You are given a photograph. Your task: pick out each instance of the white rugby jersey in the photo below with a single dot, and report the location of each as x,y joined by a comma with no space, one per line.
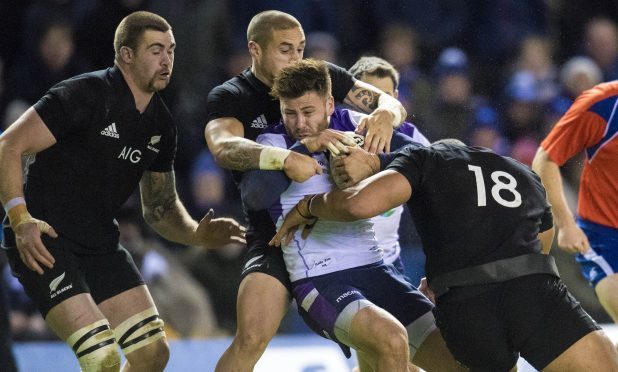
332,245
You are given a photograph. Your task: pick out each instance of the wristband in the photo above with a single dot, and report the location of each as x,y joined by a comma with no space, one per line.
397,119
14,202
273,158
309,202
18,214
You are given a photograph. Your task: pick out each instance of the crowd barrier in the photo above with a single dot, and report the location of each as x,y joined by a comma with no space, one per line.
298,353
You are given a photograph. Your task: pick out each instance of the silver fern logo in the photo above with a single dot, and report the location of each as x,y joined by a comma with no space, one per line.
56,282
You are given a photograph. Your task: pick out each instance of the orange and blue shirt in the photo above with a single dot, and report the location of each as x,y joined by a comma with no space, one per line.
591,125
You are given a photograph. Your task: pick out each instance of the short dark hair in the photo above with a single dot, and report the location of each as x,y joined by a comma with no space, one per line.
301,77
449,141
375,66
263,24
133,26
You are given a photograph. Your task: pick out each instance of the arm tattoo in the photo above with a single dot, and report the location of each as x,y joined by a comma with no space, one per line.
240,157
159,196
364,99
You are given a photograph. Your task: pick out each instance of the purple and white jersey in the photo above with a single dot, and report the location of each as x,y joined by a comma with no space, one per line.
332,245
386,225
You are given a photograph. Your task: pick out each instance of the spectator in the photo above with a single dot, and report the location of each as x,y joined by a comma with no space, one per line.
601,44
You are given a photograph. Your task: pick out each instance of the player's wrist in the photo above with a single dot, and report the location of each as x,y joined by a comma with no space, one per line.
273,158
18,215
304,207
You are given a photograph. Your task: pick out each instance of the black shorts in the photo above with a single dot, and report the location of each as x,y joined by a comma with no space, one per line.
268,260
102,274
533,315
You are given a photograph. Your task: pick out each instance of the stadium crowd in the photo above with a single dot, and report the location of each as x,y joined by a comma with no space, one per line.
497,74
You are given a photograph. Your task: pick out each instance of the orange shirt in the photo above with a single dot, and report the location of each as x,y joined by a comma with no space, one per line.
591,124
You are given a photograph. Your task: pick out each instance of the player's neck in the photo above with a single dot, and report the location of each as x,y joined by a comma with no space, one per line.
142,98
261,76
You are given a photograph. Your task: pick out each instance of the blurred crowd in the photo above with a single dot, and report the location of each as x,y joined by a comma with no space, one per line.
493,73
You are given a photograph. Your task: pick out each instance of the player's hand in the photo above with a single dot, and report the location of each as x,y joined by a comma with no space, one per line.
379,128
299,167
358,164
572,239
335,141
424,288
31,249
292,221
213,233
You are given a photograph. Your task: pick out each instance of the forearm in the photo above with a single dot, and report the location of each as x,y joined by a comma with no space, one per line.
366,98
172,221
552,180
390,104
11,172
547,238
238,153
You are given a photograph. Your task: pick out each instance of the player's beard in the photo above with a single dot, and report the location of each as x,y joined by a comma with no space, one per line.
156,84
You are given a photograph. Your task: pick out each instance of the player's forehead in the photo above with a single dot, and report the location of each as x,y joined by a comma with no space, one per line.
150,38
308,100
291,36
385,84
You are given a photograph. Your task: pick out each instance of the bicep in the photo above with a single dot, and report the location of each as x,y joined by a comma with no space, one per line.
363,97
380,193
218,130
29,134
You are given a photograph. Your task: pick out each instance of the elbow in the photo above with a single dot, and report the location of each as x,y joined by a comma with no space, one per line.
540,161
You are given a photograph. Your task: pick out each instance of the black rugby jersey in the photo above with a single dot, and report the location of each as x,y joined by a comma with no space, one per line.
103,147
247,99
472,206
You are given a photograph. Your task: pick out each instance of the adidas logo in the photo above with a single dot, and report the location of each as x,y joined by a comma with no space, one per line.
110,131
259,122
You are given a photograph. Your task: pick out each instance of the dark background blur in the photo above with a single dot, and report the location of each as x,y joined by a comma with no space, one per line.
496,73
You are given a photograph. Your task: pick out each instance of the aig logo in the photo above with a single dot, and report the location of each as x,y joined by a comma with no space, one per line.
133,155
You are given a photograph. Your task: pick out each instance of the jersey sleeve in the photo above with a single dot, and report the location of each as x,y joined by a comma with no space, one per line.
578,129
342,82
411,130
255,182
409,163
222,103
165,159
67,107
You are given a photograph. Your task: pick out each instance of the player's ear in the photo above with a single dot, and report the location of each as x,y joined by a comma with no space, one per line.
254,49
126,54
330,105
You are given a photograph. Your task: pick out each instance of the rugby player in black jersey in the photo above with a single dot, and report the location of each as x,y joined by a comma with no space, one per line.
238,111
88,143
486,230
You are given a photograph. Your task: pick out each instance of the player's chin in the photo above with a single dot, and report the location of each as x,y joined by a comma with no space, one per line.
159,83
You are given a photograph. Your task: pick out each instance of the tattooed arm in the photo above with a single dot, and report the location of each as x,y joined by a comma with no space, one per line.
165,213
230,150
385,113
224,137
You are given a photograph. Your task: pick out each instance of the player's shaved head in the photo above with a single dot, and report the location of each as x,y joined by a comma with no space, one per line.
263,24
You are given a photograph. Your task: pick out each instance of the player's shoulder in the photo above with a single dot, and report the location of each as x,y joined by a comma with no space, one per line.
237,86
89,82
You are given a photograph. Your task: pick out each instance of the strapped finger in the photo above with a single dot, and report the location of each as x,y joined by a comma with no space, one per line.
333,149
